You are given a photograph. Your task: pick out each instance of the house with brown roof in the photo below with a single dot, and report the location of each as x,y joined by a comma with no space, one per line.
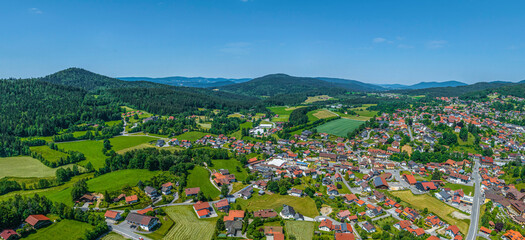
192,191
132,199
145,222
265,213
452,231
202,209
9,234
112,215
344,236
222,205
38,221
234,215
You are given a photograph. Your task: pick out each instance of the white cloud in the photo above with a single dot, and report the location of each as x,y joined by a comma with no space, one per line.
35,11
236,48
437,43
379,40
404,46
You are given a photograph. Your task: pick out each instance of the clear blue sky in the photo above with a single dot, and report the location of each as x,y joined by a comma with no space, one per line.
371,41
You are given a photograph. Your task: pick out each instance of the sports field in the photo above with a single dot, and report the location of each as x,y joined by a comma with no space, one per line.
65,229
442,210
187,225
24,167
303,205
300,229
231,165
340,127
200,177
48,153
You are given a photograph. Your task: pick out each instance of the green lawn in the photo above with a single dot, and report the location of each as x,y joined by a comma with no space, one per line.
469,190
48,153
303,205
65,229
340,127
300,229
187,225
231,165
123,142
111,182
200,177
113,123
192,136
24,167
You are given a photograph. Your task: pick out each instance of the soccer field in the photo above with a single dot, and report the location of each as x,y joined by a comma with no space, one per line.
340,127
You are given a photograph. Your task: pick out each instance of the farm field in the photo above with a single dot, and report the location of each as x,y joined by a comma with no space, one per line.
113,123
48,153
124,142
319,98
24,167
147,145
191,136
340,127
442,210
65,229
231,165
200,177
187,225
111,181
305,206
320,114
300,229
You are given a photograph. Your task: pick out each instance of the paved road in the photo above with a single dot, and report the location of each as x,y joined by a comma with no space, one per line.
125,230
474,217
410,132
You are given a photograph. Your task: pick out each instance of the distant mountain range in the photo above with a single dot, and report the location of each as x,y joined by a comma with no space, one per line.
200,82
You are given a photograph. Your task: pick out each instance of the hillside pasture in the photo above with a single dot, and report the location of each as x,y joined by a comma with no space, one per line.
187,225
48,153
231,165
65,229
91,149
319,98
24,167
304,205
200,177
340,127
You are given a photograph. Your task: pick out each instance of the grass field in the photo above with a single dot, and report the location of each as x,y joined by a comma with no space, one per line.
111,182
113,236
147,145
303,205
320,114
319,98
340,127
283,112
113,123
469,190
48,153
200,177
124,142
300,229
187,225
91,149
231,165
65,229
161,232
442,210
24,167
192,136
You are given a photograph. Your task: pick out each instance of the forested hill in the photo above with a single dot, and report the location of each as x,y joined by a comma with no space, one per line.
513,89
200,82
353,84
275,84
454,91
78,77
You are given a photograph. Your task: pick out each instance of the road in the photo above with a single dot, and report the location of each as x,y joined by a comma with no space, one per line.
410,132
474,217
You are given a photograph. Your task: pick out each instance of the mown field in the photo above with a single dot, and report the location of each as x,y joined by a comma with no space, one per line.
303,205
187,225
191,136
319,114
111,182
65,229
48,153
442,210
300,229
113,236
319,98
283,112
160,233
24,167
93,149
200,177
231,165
340,127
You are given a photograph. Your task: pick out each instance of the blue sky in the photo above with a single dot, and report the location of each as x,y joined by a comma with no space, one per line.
371,41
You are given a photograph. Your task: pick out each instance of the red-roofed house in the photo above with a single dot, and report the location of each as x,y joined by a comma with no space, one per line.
452,231
203,209
9,234
38,221
112,215
132,199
